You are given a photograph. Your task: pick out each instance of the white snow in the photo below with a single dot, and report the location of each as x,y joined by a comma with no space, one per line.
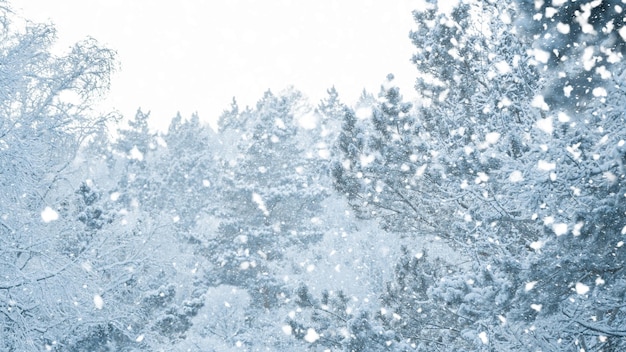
492,137
206,183
504,102
609,176
559,229
286,329
367,159
505,18
98,302
481,177
545,125
563,28
311,336
140,338
536,245
308,121
548,220
563,117
363,113
577,228
583,17
483,337
279,123
503,67
48,215
588,59
86,265
603,72
260,203
516,176
540,103
545,166
574,150
581,288
622,33
541,55
599,92
324,153
530,285
536,307
567,90
551,11
135,154
114,196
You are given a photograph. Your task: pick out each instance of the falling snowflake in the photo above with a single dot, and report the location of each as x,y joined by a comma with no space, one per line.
483,337
311,335
48,215
530,285
98,301
516,176
559,229
581,288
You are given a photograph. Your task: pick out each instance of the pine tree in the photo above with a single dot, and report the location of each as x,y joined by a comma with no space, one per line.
270,193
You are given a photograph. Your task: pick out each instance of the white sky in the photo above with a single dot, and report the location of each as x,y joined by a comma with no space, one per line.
195,55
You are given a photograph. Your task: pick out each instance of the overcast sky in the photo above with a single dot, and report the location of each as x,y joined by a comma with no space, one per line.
195,55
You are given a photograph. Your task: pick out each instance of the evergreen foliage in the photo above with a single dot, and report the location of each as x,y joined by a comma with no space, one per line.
486,215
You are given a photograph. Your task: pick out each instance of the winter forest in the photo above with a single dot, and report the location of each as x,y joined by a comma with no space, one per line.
487,215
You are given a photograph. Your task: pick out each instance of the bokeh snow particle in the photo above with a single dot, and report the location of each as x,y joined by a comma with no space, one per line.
545,125
311,335
545,165
536,245
516,176
48,215
530,285
287,329
98,301
483,337
559,229
581,288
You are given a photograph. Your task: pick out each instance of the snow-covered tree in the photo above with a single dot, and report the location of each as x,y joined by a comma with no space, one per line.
530,194
188,172
582,42
45,106
270,193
